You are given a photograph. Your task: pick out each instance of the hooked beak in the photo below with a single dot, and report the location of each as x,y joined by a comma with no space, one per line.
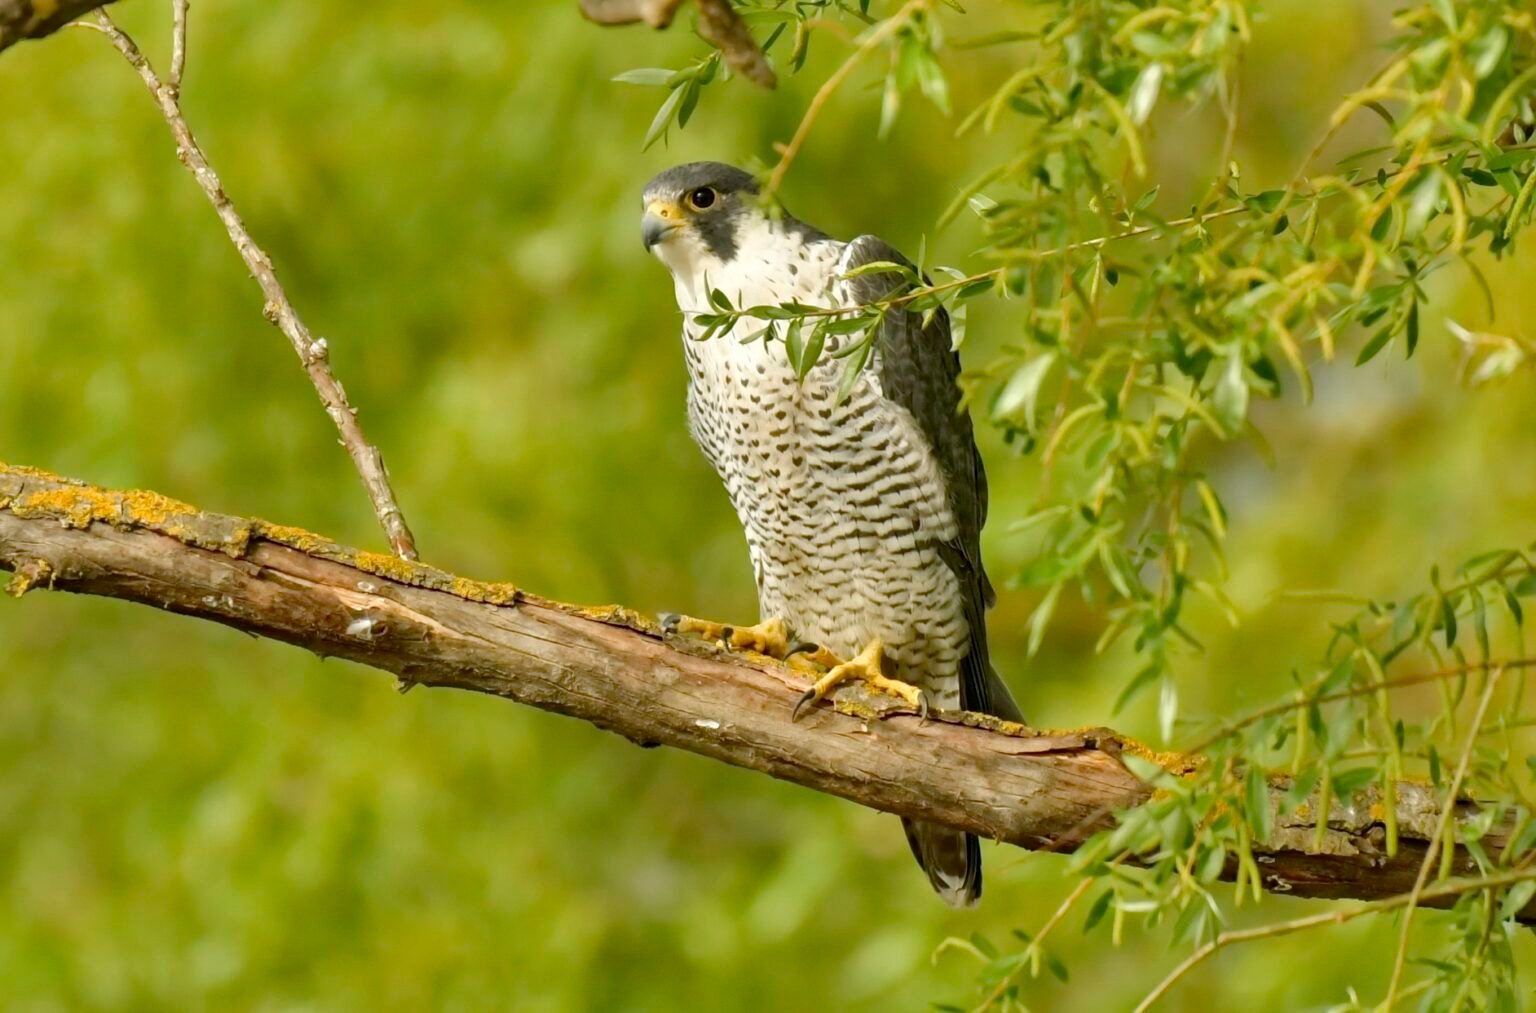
659,220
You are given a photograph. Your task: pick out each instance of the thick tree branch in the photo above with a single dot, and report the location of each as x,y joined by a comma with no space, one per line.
614,669
33,19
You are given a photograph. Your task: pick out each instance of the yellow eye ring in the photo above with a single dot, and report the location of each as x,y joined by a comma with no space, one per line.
701,198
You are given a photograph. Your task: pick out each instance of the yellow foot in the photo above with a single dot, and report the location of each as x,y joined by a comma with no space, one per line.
868,667
770,637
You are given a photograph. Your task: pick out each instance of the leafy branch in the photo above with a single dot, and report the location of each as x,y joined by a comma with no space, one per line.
1452,888
1147,332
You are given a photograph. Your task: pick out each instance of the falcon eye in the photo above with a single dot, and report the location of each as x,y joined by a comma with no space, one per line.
701,198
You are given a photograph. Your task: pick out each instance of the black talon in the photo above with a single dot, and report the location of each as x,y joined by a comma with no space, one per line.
804,647
726,633
669,621
808,697
922,704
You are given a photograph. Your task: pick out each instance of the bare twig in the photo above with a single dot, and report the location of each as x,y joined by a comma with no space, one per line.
313,352
614,669
719,24
872,41
178,43
1444,891
33,19
1442,832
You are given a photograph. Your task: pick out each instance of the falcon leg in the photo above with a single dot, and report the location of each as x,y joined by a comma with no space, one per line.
770,637
868,667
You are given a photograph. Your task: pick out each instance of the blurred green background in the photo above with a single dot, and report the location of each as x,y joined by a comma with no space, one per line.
190,818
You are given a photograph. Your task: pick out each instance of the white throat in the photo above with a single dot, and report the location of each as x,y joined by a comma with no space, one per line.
771,265
691,264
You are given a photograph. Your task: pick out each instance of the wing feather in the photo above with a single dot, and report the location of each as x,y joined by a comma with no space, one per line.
919,370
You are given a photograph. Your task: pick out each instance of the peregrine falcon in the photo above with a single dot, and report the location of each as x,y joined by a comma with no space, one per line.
862,507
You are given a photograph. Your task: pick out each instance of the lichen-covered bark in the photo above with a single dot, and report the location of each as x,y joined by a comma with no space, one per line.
32,19
614,669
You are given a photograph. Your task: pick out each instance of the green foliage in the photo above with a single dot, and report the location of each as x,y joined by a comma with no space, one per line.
193,819
1148,332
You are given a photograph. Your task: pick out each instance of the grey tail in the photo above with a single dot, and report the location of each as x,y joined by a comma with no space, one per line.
951,858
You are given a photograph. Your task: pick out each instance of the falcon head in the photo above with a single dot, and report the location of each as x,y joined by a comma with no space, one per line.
695,215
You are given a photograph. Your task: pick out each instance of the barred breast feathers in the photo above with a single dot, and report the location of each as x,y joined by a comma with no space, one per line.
843,505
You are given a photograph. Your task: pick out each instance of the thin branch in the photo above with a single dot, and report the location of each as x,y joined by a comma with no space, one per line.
1444,891
1231,106
1035,945
999,275
872,41
1442,832
719,25
614,669
313,353
178,44
1364,689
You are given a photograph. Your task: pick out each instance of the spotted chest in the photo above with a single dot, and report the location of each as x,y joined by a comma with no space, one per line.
843,505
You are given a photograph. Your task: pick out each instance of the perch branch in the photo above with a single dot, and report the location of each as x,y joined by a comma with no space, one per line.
719,24
614,669
313,353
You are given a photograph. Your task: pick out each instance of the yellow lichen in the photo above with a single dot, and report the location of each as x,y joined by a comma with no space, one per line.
29,576
862,711
1178,764
30,493
490,592
613,615
392,567
296,538
991,723
26,471
80,505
